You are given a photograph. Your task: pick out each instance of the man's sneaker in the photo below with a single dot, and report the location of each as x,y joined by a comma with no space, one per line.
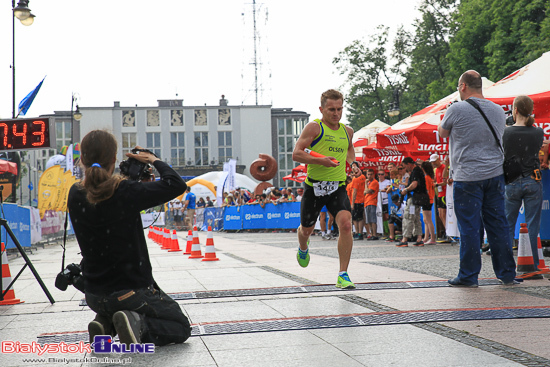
374,238
101,325
359,237
344,282
511,282
325,236
303,256
128,326
459,283
402,244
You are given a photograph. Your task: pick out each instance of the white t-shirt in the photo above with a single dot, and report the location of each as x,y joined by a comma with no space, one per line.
382,187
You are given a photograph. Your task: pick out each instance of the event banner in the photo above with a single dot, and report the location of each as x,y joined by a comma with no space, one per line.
282,215
19,221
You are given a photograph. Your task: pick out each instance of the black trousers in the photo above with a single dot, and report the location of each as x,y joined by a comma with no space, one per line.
164,321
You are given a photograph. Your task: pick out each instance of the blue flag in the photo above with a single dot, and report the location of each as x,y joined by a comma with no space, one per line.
26,102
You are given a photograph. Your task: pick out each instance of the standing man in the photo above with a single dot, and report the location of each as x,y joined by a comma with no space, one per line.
371,202
441,185
476,162
325,182
190,204
411,216
384,183
357,200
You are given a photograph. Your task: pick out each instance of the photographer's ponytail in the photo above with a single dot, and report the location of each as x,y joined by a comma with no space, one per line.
98,154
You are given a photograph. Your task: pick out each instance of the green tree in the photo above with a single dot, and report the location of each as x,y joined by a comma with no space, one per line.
372,79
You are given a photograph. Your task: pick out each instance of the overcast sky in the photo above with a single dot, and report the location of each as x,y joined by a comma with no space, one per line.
137,52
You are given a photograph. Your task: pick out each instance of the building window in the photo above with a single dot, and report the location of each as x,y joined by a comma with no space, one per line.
63,134
201,149
289,130
177,146
128,143
200,118
153,118
224,116
153,143
128,118
176,117
225,149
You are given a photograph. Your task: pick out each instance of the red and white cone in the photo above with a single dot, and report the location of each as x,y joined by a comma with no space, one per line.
526,263
542,264
189,245
166,239
196,248
209,250
175,245
9,298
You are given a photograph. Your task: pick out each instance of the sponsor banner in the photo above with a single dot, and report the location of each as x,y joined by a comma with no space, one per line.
19,221
283,215
232,218
213,217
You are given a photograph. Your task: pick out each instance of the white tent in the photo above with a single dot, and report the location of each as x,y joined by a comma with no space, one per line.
240,180
369,131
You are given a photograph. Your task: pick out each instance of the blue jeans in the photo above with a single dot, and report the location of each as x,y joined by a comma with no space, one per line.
528,191
480,204
165,323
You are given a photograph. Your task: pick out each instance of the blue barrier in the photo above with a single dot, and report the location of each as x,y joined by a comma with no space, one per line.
283,215
213,217
19,220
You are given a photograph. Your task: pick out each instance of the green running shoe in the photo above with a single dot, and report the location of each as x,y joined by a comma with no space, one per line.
303,257
344,282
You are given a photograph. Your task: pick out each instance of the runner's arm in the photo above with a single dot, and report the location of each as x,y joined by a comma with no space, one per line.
310,132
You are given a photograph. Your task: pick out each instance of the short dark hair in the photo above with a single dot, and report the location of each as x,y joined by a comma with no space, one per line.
331,94
408,160
472,79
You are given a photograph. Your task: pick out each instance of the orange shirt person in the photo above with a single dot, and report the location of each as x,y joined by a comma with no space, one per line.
371,200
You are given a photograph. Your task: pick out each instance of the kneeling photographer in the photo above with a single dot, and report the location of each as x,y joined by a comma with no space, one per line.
105,214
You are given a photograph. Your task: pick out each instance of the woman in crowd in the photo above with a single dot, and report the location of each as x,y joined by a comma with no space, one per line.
201,203
105,214
229,201
524,141
429,231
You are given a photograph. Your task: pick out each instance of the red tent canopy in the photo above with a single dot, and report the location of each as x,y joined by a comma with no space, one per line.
6,166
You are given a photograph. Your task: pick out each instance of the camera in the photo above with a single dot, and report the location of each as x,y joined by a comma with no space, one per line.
134,169
71,275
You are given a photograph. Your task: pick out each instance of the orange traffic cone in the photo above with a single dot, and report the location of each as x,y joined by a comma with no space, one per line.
196,248
175,246
166,241
209,250
526,264
542,264
9,298
156,235
189,245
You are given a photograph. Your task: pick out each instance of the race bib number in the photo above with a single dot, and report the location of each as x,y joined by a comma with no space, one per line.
323,188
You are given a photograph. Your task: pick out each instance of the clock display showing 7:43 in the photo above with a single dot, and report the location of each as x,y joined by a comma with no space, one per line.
24,134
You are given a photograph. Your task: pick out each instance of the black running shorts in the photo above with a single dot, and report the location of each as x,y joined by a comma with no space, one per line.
311,205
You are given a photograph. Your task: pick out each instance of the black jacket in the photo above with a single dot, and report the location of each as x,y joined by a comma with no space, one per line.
110,234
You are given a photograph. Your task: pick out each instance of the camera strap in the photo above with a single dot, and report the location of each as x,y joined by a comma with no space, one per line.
64,239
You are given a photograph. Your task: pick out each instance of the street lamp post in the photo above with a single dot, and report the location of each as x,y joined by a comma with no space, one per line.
394,106
23,13
76,115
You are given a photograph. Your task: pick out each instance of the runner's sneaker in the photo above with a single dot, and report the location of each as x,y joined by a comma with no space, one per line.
344,282
303,256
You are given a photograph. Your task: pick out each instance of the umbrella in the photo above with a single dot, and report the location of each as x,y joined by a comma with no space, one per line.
298,174
6,166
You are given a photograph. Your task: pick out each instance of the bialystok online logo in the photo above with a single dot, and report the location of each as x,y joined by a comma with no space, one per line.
103,344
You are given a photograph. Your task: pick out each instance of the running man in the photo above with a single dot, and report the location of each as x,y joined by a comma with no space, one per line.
325,182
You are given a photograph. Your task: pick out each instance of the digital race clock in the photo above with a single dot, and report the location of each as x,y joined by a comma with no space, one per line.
24,134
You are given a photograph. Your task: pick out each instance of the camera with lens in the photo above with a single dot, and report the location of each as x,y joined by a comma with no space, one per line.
136,170
71,275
